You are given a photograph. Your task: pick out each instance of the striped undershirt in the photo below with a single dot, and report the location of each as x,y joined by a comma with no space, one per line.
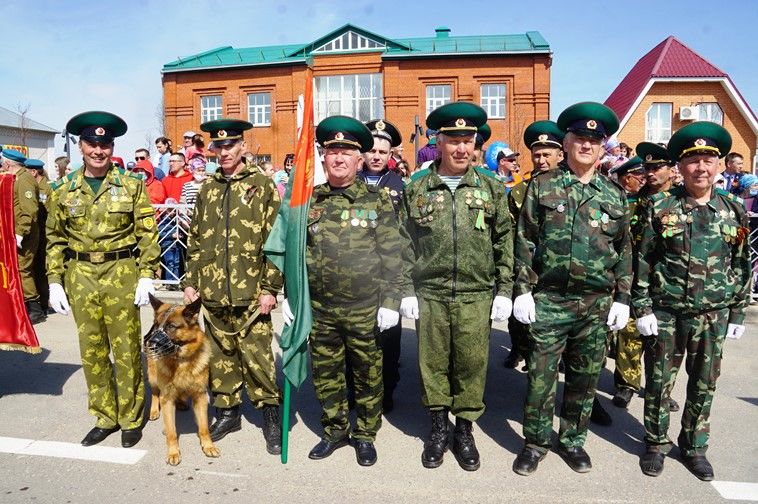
451,182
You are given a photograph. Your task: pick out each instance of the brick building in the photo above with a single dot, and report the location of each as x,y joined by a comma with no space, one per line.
364,75
672,86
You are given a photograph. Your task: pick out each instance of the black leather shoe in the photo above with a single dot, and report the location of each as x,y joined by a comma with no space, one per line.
388,404
436,445
599,415
513,359
576,458
623,397
673,405
272,430
464,447
97,435
527,461
365,453
35,312
227,420
699,466
130,437
651,462
324,448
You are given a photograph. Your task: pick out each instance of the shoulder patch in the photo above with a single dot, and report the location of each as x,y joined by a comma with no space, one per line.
62,181
729,196
485,172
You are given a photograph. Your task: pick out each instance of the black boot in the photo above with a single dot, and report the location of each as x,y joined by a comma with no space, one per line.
599,415
272,430
227,420
436,446
464,447
514,357
35,312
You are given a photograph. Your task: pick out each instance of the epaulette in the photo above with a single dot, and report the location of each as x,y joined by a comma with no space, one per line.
729,196
62,181
659,196
129,174
485,172
420,173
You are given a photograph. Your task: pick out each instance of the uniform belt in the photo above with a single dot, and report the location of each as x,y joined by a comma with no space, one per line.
101,257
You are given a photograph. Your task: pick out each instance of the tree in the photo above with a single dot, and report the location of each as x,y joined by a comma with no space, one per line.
23,122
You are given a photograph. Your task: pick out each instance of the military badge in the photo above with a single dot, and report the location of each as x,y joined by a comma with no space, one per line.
561,208
339,136
649,158
315,213
99,131
460,122
29,194
393,193
221,133
700,142
380,125
148,222
542,138
592,124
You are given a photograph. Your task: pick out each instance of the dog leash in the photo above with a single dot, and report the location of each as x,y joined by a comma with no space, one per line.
207,317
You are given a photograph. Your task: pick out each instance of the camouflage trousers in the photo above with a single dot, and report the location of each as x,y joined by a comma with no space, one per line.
453,351
575,328
702,337
243,358
26,266
339,338
102,302
629,349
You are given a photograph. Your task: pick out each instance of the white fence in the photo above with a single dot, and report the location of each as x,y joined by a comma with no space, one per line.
173,226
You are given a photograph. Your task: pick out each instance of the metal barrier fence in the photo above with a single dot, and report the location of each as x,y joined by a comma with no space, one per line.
173,225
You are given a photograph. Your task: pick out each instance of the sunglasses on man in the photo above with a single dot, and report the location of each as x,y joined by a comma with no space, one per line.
139,158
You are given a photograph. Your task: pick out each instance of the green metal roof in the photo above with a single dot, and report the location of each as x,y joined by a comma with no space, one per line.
443,44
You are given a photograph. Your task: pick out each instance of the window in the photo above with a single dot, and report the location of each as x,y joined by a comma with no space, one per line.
360,96
437,95
493,100
349,41
658,123
711,112
210,108
259,109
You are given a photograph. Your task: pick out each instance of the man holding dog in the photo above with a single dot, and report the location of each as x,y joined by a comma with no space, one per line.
234,213
103,246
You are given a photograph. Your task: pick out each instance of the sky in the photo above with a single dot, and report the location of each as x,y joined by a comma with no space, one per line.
60,58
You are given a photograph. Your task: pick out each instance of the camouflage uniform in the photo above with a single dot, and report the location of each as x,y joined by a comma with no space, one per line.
518,331
692,270
225,264
573,253
353,262
26,213
458,253
86,227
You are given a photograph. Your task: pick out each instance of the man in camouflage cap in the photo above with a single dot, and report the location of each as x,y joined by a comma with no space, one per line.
102,245
573,263
457,278
353,263
234,213
691,291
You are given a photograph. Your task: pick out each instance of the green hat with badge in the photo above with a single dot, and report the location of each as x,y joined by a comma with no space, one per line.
653,154
589,119
96,126
543,134
225,131
701,137
344,131
457,119
482,135
633,165
384,129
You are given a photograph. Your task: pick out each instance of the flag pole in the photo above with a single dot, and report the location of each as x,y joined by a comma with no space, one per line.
286,419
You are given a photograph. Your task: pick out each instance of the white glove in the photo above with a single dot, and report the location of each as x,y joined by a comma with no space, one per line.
386,318
618,317
144,287
735,331
409,307
287,314
19,239
58,300
501,308
523,308
647,325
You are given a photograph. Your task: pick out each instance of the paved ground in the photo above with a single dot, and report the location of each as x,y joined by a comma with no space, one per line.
44,400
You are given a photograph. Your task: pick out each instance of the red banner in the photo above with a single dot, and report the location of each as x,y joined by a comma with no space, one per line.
16,331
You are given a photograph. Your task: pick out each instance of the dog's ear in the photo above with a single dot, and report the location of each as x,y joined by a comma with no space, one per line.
191,310
157,303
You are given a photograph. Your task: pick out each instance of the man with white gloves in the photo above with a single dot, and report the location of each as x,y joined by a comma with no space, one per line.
573,281
691,291
102,240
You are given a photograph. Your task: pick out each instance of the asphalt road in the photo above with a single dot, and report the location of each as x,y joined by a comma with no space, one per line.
43,416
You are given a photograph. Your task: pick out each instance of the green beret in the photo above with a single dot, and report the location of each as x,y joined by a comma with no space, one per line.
225,131
589,119
701,137
457,118
653,154
543,134
631,166
483,134
384,129
96,126
344,131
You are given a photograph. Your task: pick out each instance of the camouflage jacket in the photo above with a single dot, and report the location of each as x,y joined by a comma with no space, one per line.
573,239
118,217
693,258
230,224
353,244
456,246
25,203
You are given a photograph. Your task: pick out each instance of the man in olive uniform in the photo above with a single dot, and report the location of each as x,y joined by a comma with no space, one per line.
103,246
376,173
691,291
234,213
36,168
574,274
353,263
457,278
26,221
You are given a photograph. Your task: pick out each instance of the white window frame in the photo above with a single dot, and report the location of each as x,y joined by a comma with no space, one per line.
492,99
710,111
656,128
349,41
211,108
259,108
438,95
344,97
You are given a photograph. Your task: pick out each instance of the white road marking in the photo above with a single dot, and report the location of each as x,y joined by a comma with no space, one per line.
57,449
231,475
737,490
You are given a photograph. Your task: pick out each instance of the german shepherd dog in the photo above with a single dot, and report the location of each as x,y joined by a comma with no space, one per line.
178,353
